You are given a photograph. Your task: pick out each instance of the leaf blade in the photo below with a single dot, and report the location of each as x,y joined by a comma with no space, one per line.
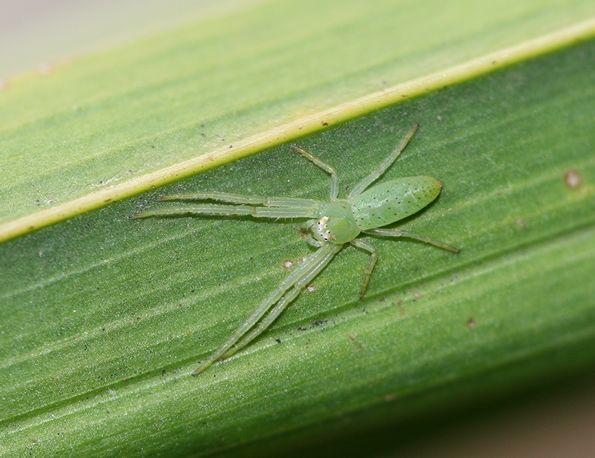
105,317
156,114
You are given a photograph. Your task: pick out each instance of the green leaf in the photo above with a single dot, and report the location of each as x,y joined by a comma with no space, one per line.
117,123
104,317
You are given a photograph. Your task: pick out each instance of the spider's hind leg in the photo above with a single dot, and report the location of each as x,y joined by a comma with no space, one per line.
409,235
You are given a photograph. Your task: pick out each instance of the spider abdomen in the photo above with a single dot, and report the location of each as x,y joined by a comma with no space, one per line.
393,200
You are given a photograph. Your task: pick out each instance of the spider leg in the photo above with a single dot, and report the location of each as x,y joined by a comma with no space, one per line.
311,266
305,228
384,165
306,232
287,211
324,166
241,199
310,240
365,246
217,197
287,299
409,235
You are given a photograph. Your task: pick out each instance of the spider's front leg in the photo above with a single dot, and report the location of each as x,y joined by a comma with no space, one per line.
287,211
328,252
303,274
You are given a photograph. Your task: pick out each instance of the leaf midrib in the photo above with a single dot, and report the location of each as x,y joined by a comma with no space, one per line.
294,129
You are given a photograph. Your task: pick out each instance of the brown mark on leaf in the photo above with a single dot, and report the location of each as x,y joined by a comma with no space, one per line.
520,223
356,343
324,123
573,179
390,397
471,323
313,324
400,307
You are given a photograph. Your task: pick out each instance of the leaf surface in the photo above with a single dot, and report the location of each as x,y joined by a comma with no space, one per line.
120,122
104,317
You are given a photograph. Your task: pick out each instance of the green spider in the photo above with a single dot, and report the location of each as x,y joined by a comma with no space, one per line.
330,227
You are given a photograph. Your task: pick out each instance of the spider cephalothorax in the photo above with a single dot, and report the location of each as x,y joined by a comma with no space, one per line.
331,226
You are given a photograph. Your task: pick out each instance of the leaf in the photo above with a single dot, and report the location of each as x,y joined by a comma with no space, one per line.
115,124
104,317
